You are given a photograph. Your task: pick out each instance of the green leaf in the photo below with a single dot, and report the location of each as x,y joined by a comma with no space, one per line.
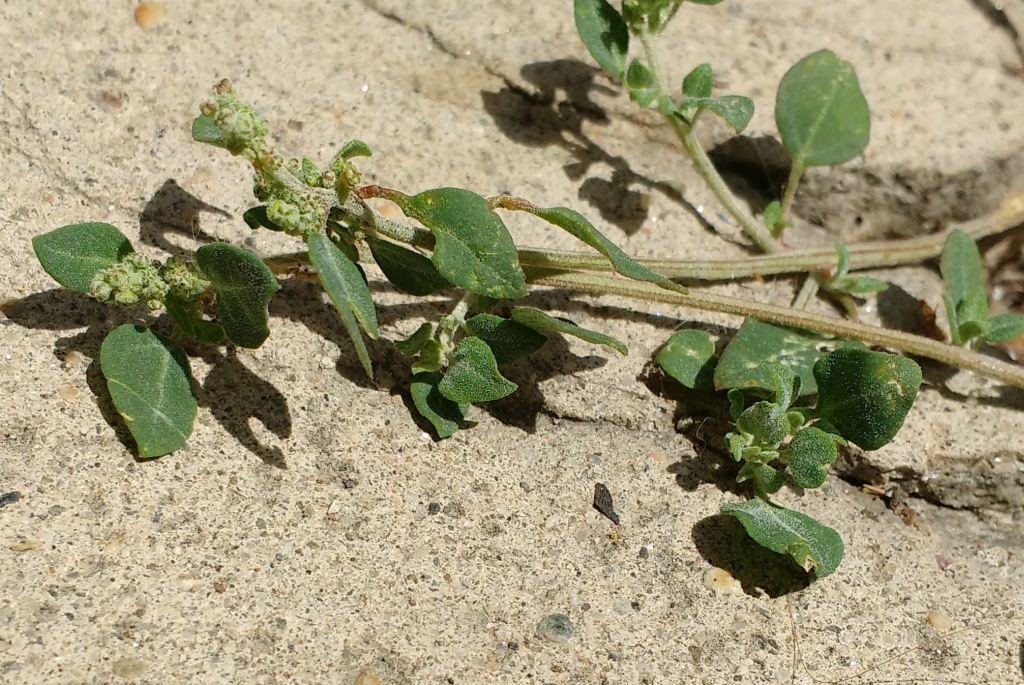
473,376
767,479
689,358
244,286
348,291
735,110
539,321
577,225
967,301
151,385
706,2
191,324
204,130
507,339
354,148
256,217
699,82
766,422
416,342
431,357
1005,327
866,395
810,450
473,248
785,384
743,362
813,546
409,271
736,403
643,88
443,414
605,34
773,218
73,254
821,112
857,285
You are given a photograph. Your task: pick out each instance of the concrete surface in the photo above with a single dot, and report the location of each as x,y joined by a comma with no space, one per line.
294,540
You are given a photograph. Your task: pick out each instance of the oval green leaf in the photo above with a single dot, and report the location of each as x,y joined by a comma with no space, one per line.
643,88
191,324
539,321
151,385
410,272
866,395
348,291
507,339
821,112
244,286
735,110
1005,327
473,247
256,217
443,414
73,254
605,34
689,358
967,301
473,376
815,547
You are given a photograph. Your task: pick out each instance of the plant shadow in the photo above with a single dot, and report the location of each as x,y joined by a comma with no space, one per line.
173,210
725,544
553,114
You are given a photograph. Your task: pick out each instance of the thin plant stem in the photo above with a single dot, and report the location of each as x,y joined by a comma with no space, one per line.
791,183
807,291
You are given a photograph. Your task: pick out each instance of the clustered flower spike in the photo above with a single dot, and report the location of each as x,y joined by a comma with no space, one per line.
243,129
132,279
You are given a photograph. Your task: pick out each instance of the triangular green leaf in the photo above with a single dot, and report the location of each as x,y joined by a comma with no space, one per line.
689,358
410,272
472,375
443,414
73,254
604,33
151,385
244,286
821,112
539,321
507,339
348,291
815,547
866,395
735,110
699,82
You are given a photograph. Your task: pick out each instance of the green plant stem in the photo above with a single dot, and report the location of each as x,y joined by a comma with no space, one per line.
983,365
791,183
754,229
807,291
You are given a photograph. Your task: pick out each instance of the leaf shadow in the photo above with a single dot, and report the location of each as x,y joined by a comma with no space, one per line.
553,115
173,210
725,544
755,169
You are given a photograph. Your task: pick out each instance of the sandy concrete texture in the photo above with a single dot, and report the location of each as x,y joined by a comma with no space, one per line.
311,530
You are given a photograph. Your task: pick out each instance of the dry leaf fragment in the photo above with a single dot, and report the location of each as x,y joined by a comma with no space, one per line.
26,545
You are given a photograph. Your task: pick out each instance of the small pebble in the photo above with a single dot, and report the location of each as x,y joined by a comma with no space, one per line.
9,498
939,621
433,508
621,607
556,628
68,392
526,486
645,552
220,588
149,14
129,668
334,508
719,581
349,484
367,678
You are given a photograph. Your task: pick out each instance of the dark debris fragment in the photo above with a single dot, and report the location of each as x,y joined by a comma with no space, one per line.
603,502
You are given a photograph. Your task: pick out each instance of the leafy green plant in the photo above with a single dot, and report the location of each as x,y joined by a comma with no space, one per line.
769,371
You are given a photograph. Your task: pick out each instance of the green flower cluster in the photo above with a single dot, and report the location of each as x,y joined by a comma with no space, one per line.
136,278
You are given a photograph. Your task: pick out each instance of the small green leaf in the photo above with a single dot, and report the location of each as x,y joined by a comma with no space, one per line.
191,324
689,358
577,225
1005,327
810,450
73,254
348,291
605,34
256,217
204,130
735,110
244,286
866,395
473,376
354,148
756,343
767,479
699,82
443,414
821,112
967,301
643,88
414,343
766,422
410,272
736,403
507,339
773,218
813,546
431,357
151,385
474,249
857,285
706,2
539,321
785,384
